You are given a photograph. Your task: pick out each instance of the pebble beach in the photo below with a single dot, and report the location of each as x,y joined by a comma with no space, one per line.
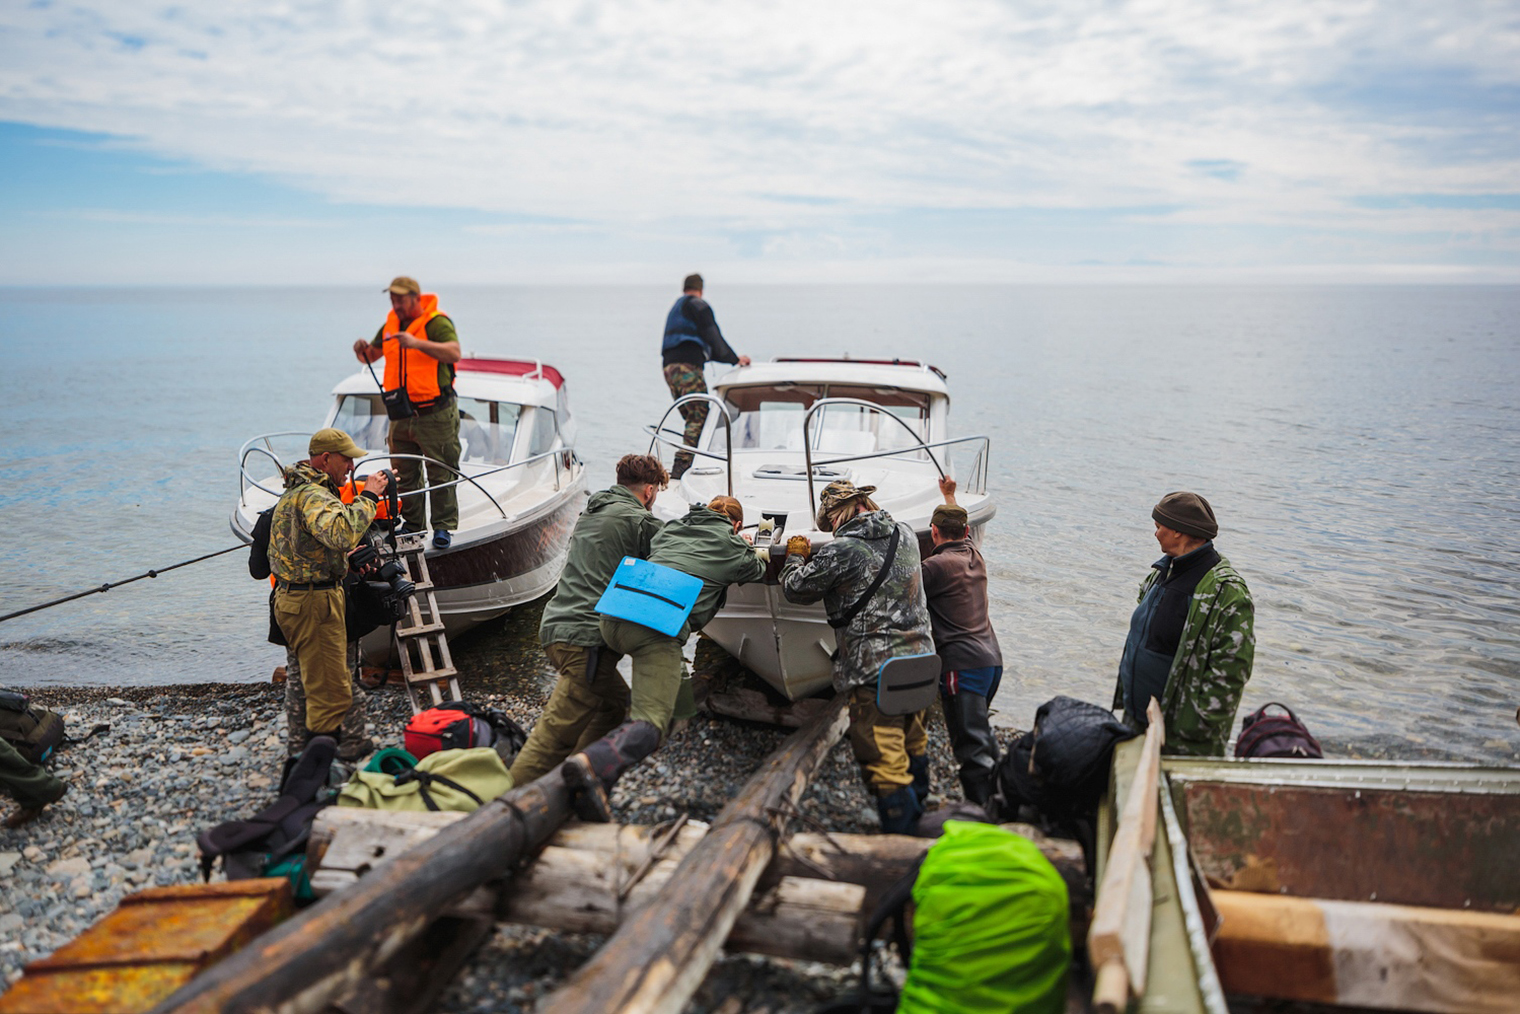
179,759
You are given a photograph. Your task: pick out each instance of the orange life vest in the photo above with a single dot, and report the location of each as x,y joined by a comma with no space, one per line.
421,368
351,489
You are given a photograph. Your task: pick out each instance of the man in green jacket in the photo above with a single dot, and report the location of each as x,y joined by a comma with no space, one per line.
705,544
311,534
590,698
1191,639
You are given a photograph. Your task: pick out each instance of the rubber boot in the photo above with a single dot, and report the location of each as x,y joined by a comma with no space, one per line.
899,811
591,774
972,742
918,767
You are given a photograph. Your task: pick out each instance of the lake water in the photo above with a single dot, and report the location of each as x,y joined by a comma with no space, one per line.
1361,447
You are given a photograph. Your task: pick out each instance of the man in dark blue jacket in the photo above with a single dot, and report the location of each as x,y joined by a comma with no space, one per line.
691,339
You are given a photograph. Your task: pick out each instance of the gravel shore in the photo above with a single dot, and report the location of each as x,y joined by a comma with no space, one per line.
179,759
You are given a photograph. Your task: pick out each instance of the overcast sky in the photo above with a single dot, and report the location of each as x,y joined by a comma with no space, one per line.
342,141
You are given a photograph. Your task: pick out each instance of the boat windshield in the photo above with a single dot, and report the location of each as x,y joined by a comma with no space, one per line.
770,418
486,428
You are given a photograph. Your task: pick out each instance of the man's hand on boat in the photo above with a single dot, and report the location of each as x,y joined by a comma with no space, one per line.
947,487
799,545
376,482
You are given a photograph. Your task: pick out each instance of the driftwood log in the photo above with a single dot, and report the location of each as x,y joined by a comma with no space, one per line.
325,952
659,956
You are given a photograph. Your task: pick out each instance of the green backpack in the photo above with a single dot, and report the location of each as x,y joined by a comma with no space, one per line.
461,780
990,927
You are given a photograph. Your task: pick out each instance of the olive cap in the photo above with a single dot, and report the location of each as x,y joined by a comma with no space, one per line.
334,441
402,286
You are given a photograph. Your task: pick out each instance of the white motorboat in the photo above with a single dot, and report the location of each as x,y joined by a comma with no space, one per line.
521,485
882,423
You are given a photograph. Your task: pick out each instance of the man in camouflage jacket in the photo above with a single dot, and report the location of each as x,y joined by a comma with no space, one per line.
1192,639
890,749
311,535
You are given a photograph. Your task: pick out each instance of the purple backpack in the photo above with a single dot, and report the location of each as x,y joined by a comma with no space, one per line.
1264,735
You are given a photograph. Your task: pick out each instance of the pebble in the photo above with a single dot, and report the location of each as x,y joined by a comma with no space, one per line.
8,861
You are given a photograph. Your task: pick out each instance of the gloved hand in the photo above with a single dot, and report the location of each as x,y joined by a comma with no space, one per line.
799,545
363,558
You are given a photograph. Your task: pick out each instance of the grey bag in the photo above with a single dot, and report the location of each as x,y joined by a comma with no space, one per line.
908,684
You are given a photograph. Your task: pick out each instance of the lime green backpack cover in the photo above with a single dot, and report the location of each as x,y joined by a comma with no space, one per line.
989,927
479,770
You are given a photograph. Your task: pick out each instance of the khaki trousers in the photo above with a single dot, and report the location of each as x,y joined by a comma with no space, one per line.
883,743
589,700
657,668
313,625
435,435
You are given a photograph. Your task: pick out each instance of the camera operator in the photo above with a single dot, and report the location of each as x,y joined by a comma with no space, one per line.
312,533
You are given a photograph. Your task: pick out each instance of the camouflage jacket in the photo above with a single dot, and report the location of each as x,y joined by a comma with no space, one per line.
896,620
1212,664
312,530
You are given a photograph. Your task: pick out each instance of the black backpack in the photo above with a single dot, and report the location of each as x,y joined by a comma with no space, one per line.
273,841
1060,768
33,730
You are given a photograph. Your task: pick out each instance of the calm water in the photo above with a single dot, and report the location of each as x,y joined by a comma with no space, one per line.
1361,447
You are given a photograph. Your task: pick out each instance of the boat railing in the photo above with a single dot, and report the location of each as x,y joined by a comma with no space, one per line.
560,456
658,432
978,470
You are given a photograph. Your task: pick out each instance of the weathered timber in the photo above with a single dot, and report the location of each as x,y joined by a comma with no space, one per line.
1368,955
413,979
323,953
657,958
354,841
754,706
1119,937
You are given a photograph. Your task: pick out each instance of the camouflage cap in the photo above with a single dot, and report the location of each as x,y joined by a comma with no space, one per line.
402,286
949,514
838,493
334,441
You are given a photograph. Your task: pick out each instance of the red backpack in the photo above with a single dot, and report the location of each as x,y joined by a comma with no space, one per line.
1264,735
456,725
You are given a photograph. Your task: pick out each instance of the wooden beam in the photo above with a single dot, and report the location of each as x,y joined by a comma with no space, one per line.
657,958
325,951
1119,939
1369,955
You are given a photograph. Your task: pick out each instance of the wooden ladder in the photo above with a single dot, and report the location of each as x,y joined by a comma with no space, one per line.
421,644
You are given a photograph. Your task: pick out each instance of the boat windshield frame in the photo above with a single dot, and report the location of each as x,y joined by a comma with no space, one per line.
979,468
562,457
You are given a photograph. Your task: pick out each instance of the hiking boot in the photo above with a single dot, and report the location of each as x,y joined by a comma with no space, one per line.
350,751
593,772
27,814
899,812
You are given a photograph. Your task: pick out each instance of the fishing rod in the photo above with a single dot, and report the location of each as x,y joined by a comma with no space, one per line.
117,584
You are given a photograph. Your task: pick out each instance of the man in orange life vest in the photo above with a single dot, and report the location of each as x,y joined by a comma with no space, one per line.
420,348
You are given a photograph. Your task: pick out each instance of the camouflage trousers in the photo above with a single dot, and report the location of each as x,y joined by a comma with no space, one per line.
684,379
883,744
296,733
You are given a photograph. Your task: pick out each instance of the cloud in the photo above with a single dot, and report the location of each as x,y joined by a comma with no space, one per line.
791,125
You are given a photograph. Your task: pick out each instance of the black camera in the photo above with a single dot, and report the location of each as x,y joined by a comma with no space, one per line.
381,594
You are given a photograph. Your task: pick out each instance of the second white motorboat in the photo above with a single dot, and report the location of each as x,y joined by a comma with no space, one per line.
776,434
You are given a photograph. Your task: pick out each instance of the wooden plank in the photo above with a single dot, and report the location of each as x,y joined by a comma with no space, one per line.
1363,954
1121,924
657,958
321,953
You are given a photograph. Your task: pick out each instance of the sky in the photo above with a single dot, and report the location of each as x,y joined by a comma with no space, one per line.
769,142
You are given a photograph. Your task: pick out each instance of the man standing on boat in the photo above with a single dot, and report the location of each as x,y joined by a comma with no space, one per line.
1191,639
955,585
892,622
590,698
691,339
311,534
420,347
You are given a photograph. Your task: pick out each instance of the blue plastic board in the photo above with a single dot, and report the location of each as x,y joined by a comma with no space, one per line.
650,595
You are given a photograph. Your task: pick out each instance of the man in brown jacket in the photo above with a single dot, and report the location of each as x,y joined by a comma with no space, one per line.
955,583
